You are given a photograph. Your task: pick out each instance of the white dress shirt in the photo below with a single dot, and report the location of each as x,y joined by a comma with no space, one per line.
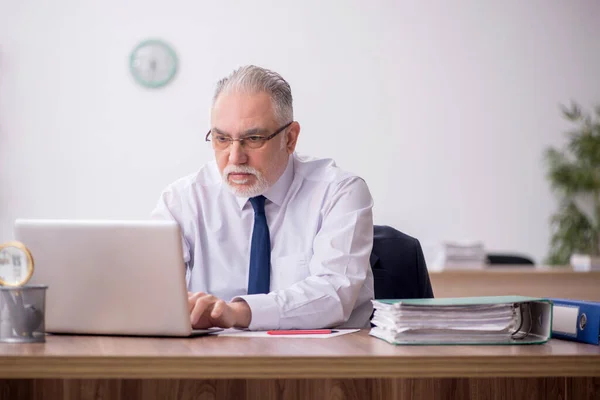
321,227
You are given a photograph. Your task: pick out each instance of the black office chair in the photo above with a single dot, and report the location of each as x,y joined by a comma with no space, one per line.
398,265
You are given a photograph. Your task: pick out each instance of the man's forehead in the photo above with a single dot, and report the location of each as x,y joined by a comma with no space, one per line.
241,112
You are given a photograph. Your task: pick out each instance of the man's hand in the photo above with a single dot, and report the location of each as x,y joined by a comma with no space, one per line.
207,311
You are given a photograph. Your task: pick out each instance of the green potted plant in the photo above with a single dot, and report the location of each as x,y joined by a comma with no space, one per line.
574,174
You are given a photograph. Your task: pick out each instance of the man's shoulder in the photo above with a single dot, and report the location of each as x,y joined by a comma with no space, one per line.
323,170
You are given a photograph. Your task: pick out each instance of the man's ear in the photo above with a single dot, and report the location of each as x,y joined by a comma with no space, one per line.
292,137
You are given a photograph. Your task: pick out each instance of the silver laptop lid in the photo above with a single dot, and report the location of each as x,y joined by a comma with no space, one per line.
109,277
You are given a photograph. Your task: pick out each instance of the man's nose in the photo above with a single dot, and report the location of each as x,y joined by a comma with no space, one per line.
237,154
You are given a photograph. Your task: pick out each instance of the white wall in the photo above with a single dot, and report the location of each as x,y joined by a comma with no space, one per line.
444,107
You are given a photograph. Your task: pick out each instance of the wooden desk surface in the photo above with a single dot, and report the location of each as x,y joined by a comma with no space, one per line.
350,356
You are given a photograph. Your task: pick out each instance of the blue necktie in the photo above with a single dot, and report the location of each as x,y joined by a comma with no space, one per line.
260,252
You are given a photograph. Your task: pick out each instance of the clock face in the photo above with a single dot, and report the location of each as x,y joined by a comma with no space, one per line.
16,264
153,63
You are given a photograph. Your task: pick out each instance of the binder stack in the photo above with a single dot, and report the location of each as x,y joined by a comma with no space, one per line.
463,320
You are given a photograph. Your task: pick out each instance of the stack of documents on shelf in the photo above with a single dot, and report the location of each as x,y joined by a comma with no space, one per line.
584,262
463,255
463,320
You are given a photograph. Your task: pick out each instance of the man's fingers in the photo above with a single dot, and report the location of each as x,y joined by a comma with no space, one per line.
201,305
207,310
218,309
192,297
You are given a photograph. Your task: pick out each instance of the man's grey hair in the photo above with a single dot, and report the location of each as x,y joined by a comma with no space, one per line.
253,79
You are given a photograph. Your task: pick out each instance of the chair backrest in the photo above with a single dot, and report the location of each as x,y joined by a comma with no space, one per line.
398,265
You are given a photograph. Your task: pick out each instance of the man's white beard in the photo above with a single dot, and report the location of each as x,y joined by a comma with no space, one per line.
259,187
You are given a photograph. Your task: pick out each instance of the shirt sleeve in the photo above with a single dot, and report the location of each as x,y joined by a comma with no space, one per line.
338,267
167,209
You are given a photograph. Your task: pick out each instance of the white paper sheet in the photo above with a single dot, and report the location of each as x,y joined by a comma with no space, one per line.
263,334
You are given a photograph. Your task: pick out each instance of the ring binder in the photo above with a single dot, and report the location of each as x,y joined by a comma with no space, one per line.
463,320
576,320
517,331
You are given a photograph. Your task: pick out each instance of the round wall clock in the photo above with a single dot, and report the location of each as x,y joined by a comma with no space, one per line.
16,264
153,63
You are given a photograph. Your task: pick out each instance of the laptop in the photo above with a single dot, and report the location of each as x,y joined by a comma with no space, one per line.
110,277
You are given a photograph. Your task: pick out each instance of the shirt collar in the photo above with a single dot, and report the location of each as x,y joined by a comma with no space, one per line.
276,193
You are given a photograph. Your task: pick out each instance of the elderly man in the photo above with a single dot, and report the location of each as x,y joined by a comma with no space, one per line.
272,239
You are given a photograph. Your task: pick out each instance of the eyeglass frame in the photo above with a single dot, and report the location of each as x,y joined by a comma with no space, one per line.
241,140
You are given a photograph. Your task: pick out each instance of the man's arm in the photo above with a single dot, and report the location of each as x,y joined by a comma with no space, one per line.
168,207
205,310
338,267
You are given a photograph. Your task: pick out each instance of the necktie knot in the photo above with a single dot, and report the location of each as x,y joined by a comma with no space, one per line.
258,203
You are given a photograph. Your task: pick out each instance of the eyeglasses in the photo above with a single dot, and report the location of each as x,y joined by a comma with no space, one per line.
222,142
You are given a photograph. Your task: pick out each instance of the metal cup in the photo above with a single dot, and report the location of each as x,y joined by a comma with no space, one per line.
22,312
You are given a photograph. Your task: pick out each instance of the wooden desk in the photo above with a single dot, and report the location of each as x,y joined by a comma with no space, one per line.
527,281
354,366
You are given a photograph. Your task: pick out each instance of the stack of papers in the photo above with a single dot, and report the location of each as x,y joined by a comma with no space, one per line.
464,255
467,320
584,262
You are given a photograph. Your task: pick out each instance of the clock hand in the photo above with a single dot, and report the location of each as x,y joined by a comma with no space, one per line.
153,68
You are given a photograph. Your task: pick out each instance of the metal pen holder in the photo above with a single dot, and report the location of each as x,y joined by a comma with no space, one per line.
22,314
